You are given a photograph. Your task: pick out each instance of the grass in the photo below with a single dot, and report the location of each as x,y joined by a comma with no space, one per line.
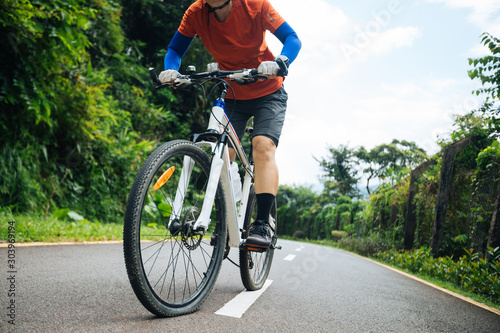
50,229
34,228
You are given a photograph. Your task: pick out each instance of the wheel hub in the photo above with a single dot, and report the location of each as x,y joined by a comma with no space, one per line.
190,240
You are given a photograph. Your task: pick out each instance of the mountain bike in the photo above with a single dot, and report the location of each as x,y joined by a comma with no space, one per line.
182,215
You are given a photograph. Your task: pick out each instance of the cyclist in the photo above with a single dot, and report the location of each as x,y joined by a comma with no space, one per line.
233,32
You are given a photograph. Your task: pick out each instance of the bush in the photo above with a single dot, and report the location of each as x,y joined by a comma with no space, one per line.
299,234
368,246
337,235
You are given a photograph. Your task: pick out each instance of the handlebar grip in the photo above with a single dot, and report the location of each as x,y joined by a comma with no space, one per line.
154,77
283,63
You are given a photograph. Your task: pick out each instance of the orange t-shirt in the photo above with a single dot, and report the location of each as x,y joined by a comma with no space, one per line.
239,42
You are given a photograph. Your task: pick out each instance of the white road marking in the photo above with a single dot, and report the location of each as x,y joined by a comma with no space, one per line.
290,257
299,248
240,304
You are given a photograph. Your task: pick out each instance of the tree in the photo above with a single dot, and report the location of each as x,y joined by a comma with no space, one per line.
342,212
411,215
77,112
296,210
41,94
494,232
340,173
487,69
397,155
443,198
325,221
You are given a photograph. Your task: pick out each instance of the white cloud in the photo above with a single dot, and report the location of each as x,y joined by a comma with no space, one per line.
441,84
402,90
329,35
484,13
393,39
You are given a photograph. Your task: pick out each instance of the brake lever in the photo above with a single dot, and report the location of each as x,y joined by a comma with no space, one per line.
247,76
156,81
261,76
154,77
243,82
283,63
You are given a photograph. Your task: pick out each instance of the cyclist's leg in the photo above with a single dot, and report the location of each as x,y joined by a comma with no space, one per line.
266,169
255,265
269,116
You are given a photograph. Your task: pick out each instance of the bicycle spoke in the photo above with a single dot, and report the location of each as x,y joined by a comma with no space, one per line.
177,267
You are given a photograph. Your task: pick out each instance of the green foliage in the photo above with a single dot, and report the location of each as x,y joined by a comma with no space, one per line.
488,159
297,209
38,228
77,114
325,221
19,187
387,206
388,158
367,246
472,195
340,173
337,235
487,68
45,45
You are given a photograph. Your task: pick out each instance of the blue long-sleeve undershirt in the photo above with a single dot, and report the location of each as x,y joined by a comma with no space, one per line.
291,42
176,50
180,44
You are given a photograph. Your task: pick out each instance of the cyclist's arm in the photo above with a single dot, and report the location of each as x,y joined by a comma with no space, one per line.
176,51
290,40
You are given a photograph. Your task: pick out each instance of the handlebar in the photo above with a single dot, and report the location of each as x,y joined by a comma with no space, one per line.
248,75
243,76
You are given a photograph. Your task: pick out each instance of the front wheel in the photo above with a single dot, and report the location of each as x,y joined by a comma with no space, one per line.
255,266
171,267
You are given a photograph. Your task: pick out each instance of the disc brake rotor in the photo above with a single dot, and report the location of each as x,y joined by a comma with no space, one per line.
189,239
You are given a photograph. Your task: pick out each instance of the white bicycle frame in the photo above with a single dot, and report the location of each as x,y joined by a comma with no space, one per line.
219,170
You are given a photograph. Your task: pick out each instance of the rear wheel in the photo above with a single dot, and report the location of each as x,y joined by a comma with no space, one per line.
255,266
172,269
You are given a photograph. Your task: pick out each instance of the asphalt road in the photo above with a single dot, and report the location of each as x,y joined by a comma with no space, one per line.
84,288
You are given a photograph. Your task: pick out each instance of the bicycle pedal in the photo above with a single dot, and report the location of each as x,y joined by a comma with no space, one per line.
276,247
256,249
251,248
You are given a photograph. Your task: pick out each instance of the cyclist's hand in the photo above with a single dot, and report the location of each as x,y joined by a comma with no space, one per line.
269,68
168,76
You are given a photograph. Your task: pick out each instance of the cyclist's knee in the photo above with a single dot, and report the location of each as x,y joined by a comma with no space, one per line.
264,148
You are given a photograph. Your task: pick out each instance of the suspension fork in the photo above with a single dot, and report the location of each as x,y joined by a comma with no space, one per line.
219,153
180,195
216,166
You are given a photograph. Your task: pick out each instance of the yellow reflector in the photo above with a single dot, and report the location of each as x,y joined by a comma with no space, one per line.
164,178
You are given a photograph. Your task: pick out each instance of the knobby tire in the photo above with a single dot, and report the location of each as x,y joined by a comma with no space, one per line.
172,272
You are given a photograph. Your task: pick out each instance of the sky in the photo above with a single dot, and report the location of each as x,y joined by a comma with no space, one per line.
371,71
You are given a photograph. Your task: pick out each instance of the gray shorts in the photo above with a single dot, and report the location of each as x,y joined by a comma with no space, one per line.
268,112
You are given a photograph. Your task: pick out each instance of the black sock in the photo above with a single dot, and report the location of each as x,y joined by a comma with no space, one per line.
265,202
